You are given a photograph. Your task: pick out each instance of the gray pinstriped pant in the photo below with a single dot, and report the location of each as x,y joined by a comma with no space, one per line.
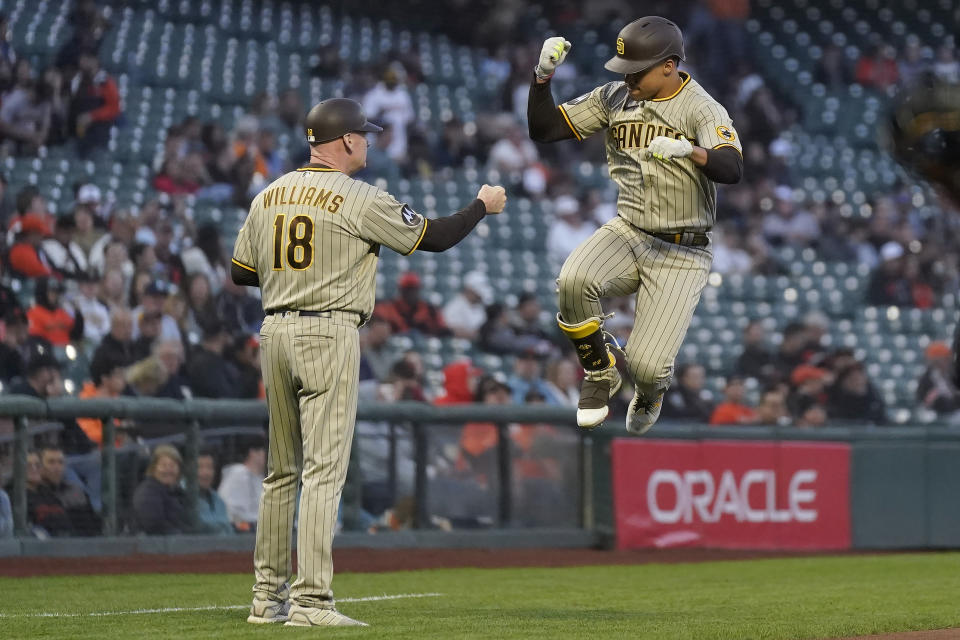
618,260
310,370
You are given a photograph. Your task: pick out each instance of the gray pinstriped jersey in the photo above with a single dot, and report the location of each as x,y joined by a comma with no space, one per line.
313,237
654,195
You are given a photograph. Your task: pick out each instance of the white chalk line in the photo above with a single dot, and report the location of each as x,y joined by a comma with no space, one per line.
229,607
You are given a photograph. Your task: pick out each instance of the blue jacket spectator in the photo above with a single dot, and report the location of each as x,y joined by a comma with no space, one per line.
211,510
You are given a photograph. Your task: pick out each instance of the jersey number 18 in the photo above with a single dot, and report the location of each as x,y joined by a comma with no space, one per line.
299,244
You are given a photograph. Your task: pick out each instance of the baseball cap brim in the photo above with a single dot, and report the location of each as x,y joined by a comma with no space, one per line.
369,127
624,66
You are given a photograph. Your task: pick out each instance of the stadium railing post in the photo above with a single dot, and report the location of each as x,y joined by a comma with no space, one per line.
420,516
192,449
504,467
108,478
21,446
586,481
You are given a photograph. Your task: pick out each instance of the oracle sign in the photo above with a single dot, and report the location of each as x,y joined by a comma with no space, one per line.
757,495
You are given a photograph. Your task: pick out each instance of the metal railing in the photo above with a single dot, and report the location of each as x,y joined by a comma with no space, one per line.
196,415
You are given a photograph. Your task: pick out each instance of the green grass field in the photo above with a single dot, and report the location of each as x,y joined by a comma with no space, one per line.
757,599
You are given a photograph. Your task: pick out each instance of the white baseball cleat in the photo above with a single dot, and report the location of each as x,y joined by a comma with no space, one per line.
315,617
265,610
595,392
643,413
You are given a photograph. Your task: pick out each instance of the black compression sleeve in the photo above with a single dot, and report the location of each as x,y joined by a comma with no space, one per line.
544,120
242,276
443,233
724,165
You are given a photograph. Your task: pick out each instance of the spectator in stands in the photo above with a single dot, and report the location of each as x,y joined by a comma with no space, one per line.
159,503
8,298
729,256
13,345
147,377
95,104
409,313
390,102
87,233
375,353
810,414
794,348
527,325
833,69
170,354
52,95
808,385
210,374
889,284
244,355
853,398
912,65
108,380
460,380
199,300
733,410
25,118
562,378
403,383
935,389
123,226
242,486
26,256
181,176
7,53
96,317
528,376
152,302
83,520
119,341
568,230
212,516
513,154
946,67
878,69
238,308
207,257
45,513
686,401
111,292
789,225
466,311
49,319
498,335
30,201
772,409
65,255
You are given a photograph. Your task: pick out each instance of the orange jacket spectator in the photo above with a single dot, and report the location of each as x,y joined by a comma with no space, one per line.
407,312
53,324
730,413
26,257
108,373
458,378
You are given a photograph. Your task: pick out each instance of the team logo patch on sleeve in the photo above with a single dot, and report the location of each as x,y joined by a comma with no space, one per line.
410,217
726,133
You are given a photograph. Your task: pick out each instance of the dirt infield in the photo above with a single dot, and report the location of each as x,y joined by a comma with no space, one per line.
372,560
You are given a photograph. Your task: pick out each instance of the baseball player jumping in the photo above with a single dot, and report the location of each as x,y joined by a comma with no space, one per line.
668,142
311,243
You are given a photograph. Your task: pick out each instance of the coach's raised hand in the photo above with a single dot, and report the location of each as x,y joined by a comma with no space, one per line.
493,198
552,55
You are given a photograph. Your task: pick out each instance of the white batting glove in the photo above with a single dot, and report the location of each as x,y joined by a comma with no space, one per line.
552,55
666,149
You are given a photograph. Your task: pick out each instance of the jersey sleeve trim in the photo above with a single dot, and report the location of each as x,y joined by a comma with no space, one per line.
240,264
724,144
569,124
686,79
423,232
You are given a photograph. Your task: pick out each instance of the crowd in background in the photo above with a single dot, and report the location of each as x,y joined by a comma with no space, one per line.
145,293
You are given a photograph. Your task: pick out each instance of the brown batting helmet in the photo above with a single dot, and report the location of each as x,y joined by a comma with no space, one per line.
336,117
645,42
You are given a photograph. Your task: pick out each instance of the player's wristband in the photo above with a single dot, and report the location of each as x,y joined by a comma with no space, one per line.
541,75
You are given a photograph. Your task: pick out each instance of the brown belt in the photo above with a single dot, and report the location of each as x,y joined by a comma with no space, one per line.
685,238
